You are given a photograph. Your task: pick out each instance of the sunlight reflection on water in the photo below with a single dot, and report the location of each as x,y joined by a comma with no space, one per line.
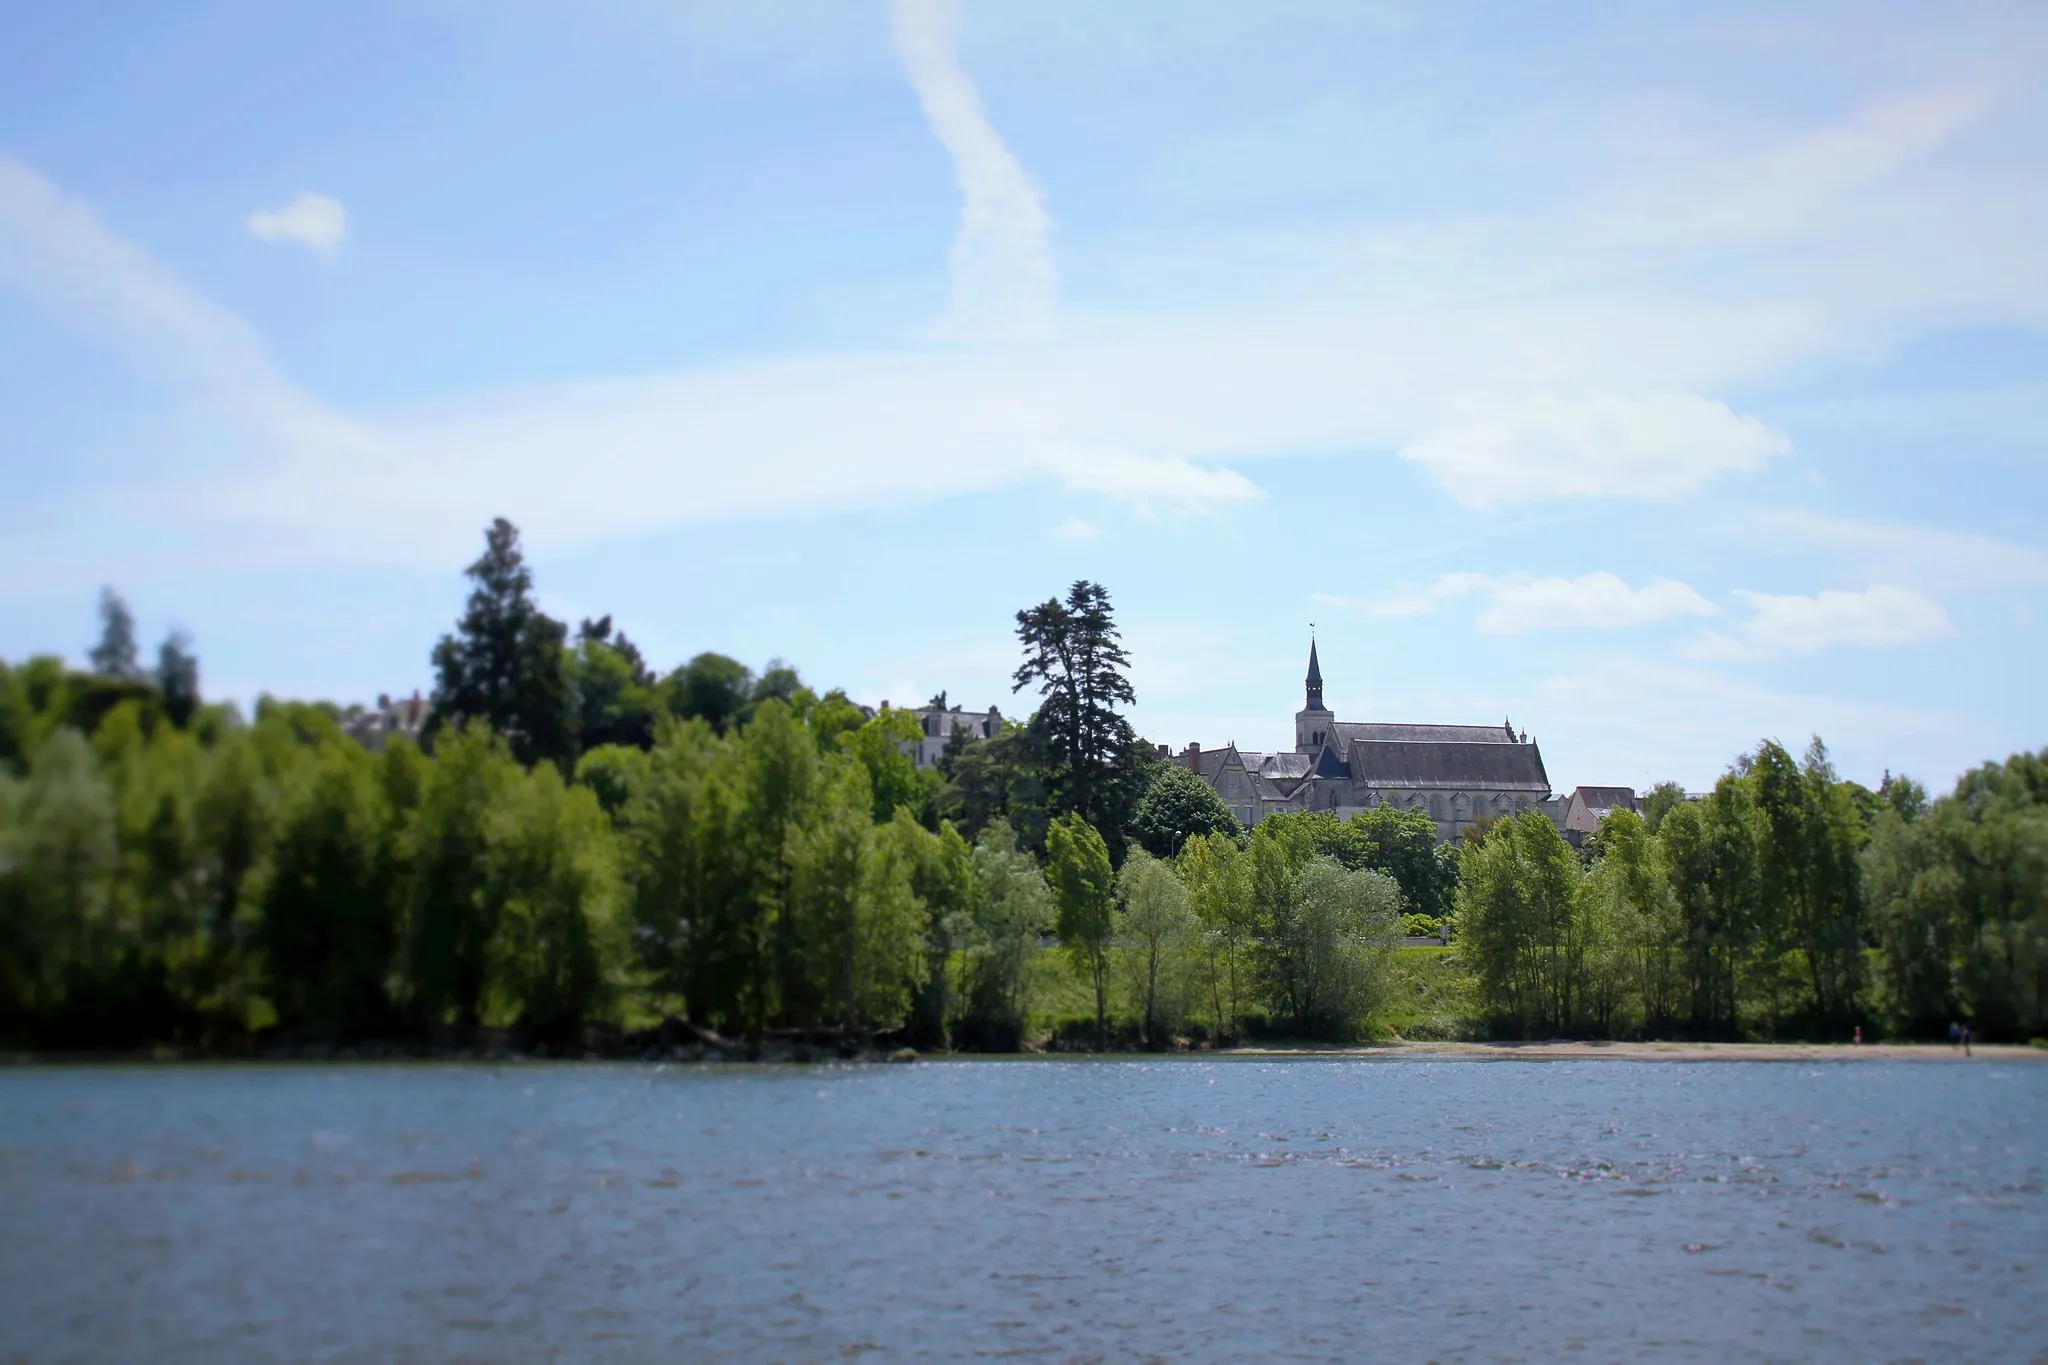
1317,1210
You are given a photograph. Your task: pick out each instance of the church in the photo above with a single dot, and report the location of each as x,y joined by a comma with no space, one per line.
1460,774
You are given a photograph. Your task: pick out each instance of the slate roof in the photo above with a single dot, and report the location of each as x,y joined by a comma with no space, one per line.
1287,766
1373,730
1606,798
1459,764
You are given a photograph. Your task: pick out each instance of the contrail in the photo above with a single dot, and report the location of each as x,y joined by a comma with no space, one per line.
1004,284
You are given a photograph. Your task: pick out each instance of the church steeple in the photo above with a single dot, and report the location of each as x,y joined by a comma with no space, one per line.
1315,679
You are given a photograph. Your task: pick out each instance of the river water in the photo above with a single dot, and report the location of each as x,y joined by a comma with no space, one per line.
1313,1210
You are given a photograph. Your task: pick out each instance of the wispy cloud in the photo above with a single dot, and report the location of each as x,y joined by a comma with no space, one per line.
1519,603
313,221
1872,618
1073,528
1509,383
1004,281
1545,447
1921,557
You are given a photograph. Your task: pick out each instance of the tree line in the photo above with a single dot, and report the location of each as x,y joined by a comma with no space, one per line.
1786,902
582,848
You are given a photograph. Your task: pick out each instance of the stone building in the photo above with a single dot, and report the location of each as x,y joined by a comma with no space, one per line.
939,721
372,727
1580,813
1460,774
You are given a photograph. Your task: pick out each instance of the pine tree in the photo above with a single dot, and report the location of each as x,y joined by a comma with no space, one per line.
506,664
114,655
177,678
1085,745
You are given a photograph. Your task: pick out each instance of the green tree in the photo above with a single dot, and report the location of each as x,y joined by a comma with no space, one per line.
942,879
1073,653
614,774
1810,837
893,777
329,926
1664,798
1176,807
711,688
177,678
507,664
689,870
1517,894
1324,952
780,775
114,656
1009,909
1154,931
62,856
64,860
558,944
1218,876
1402,844
1635,938
1959,899
451,917
993,779
616,697
1709,854
1084,892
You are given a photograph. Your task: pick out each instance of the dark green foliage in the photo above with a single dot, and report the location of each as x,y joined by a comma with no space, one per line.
1663,798
1810,835
1402,844
177,678
1082,744
1517,898
1176,807
711,688
617,696
114,656
329,926
1959,893
506,664
450,915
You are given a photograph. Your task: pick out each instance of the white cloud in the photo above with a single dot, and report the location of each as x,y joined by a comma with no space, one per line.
1073,528
1507,353
1595,601
1003,275
1523,602
1543,447
1921,557
1873,618
313,221
1638,721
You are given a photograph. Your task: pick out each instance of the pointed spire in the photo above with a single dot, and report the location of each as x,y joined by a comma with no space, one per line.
1315,678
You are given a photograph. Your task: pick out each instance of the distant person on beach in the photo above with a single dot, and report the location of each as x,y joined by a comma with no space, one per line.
1966,1040
1955,1033
1859,1035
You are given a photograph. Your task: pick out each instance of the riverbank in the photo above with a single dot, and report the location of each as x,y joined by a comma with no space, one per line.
1568,1051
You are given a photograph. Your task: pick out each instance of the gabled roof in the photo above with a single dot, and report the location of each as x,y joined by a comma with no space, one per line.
1280,766
1464,765
1209,762
1605,798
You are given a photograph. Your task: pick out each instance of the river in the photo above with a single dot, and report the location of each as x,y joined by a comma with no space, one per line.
1107,1210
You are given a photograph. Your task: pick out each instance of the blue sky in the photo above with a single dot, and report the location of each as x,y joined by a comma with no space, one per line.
1662,377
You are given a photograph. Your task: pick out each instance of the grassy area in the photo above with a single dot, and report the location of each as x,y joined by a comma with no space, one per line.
1435,997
